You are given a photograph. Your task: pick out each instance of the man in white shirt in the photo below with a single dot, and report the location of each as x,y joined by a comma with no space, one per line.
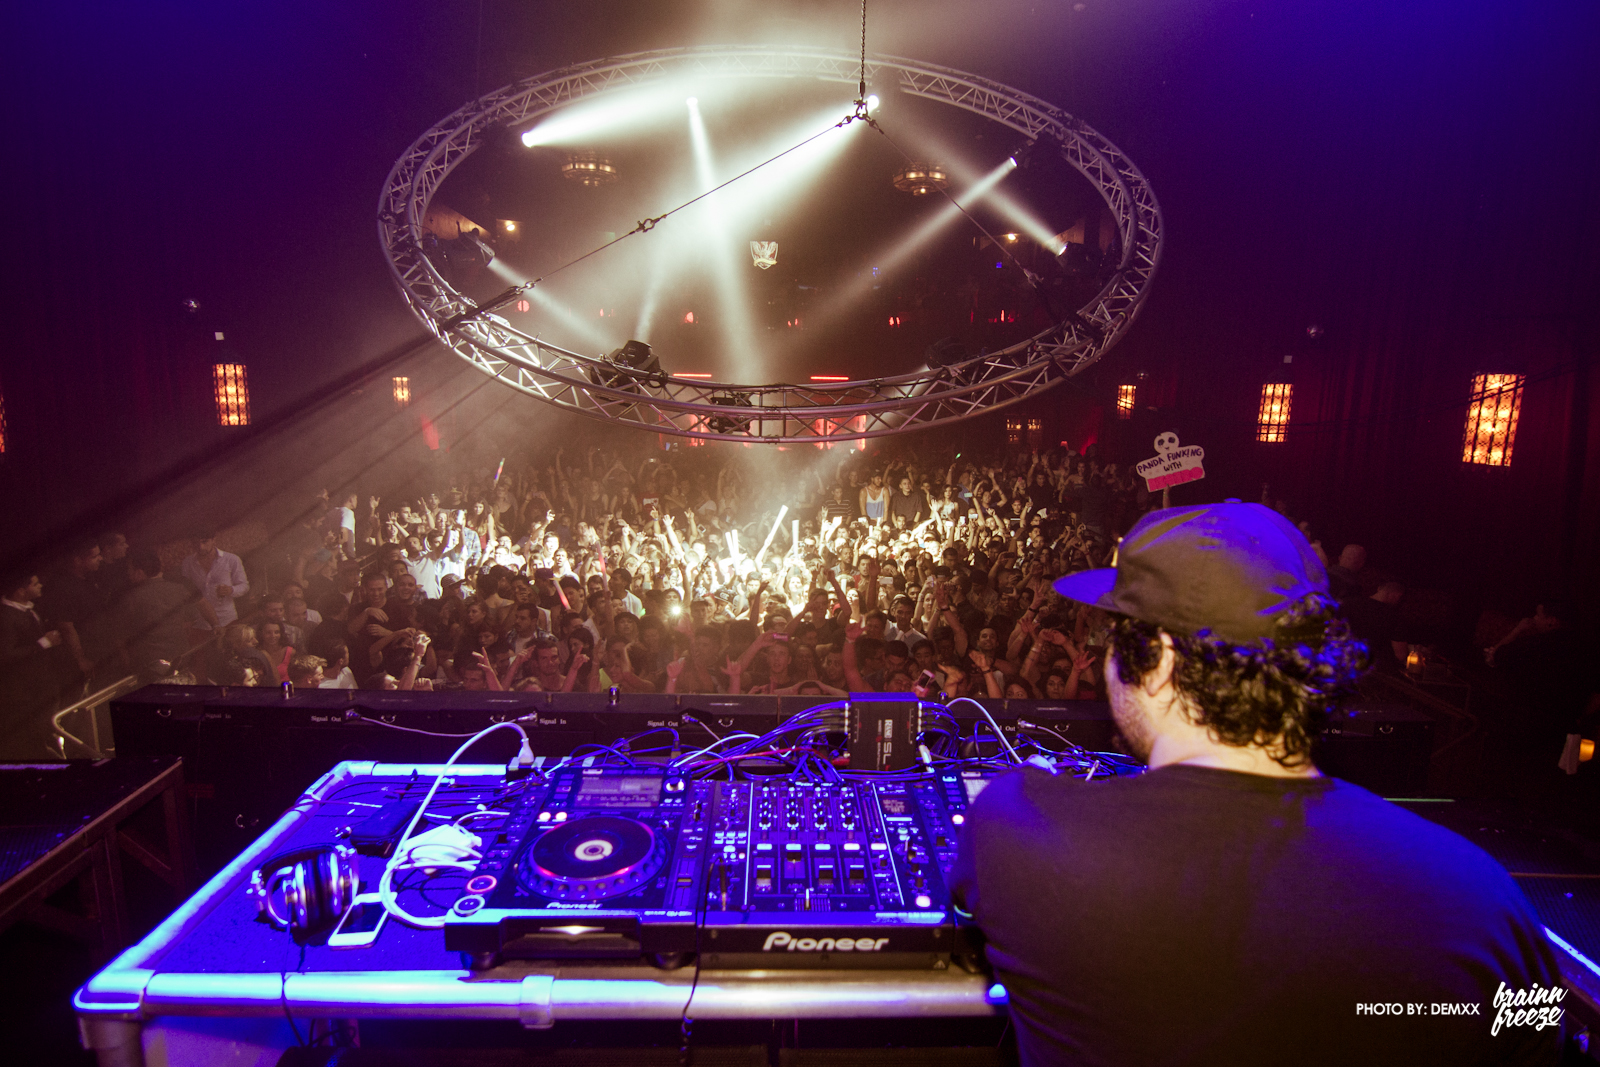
902,629
220,578
622,592
431,569
343,519
337,674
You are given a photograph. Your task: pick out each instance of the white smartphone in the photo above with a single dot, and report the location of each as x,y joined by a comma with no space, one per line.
361,923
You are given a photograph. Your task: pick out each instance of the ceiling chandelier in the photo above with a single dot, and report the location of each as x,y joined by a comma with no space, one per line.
920,179
589,169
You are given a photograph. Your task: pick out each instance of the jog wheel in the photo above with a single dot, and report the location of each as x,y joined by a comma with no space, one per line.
591,858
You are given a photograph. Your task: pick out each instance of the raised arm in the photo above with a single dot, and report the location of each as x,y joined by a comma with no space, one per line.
756,647
951,619
869,596
419,652
852,673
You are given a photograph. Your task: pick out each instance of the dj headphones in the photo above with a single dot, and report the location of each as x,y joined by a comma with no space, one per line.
317,885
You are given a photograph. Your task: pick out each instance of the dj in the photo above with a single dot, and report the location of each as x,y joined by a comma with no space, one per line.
1233,905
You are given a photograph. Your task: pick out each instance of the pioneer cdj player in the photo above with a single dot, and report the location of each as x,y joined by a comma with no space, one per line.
607,862
598,862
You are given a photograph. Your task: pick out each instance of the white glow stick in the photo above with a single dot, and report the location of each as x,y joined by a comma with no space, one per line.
794,537
772,533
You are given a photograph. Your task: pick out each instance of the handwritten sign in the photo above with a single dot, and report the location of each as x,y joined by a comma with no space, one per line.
1174,465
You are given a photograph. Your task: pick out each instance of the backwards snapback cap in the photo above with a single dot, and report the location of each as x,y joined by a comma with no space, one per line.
1230,568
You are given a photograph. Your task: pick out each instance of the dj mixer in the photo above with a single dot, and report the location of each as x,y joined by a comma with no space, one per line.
606,861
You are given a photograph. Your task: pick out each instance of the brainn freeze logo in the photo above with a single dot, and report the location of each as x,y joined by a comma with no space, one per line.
1537,1007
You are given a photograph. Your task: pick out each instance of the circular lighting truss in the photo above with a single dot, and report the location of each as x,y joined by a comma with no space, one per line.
774,413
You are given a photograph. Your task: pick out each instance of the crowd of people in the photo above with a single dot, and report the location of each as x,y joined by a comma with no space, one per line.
679,571
685,571
679,574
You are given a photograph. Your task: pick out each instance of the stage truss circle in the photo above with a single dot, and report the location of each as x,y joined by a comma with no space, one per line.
781,412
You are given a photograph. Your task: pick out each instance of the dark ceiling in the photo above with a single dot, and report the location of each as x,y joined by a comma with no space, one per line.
1316,163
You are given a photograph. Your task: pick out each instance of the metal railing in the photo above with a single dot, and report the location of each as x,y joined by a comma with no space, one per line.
90,708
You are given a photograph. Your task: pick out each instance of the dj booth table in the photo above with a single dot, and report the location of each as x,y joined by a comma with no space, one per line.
214,984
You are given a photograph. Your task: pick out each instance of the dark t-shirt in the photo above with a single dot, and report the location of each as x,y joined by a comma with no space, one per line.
910,506
1200,916
322,638
361,642
153,620
223,666
68,598
839,509
1094,505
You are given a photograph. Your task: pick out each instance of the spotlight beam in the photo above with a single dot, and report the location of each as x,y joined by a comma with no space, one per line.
1001,200
888,259
576,324
817,139
618,112
738,329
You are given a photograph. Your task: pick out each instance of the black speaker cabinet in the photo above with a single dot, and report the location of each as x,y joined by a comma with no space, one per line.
1382,747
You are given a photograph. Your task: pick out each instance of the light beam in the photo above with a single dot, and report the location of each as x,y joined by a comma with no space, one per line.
887,259
577,325
738,329
1006,205
608,114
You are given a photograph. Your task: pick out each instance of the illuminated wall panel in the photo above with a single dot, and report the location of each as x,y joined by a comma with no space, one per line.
1272,421
232,389
1492,419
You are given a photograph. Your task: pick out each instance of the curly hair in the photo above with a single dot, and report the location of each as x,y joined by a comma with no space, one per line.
1274,693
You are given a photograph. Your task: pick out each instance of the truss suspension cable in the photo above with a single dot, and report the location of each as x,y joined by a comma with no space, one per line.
861,94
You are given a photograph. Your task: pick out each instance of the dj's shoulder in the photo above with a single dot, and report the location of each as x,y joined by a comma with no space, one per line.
1023,787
